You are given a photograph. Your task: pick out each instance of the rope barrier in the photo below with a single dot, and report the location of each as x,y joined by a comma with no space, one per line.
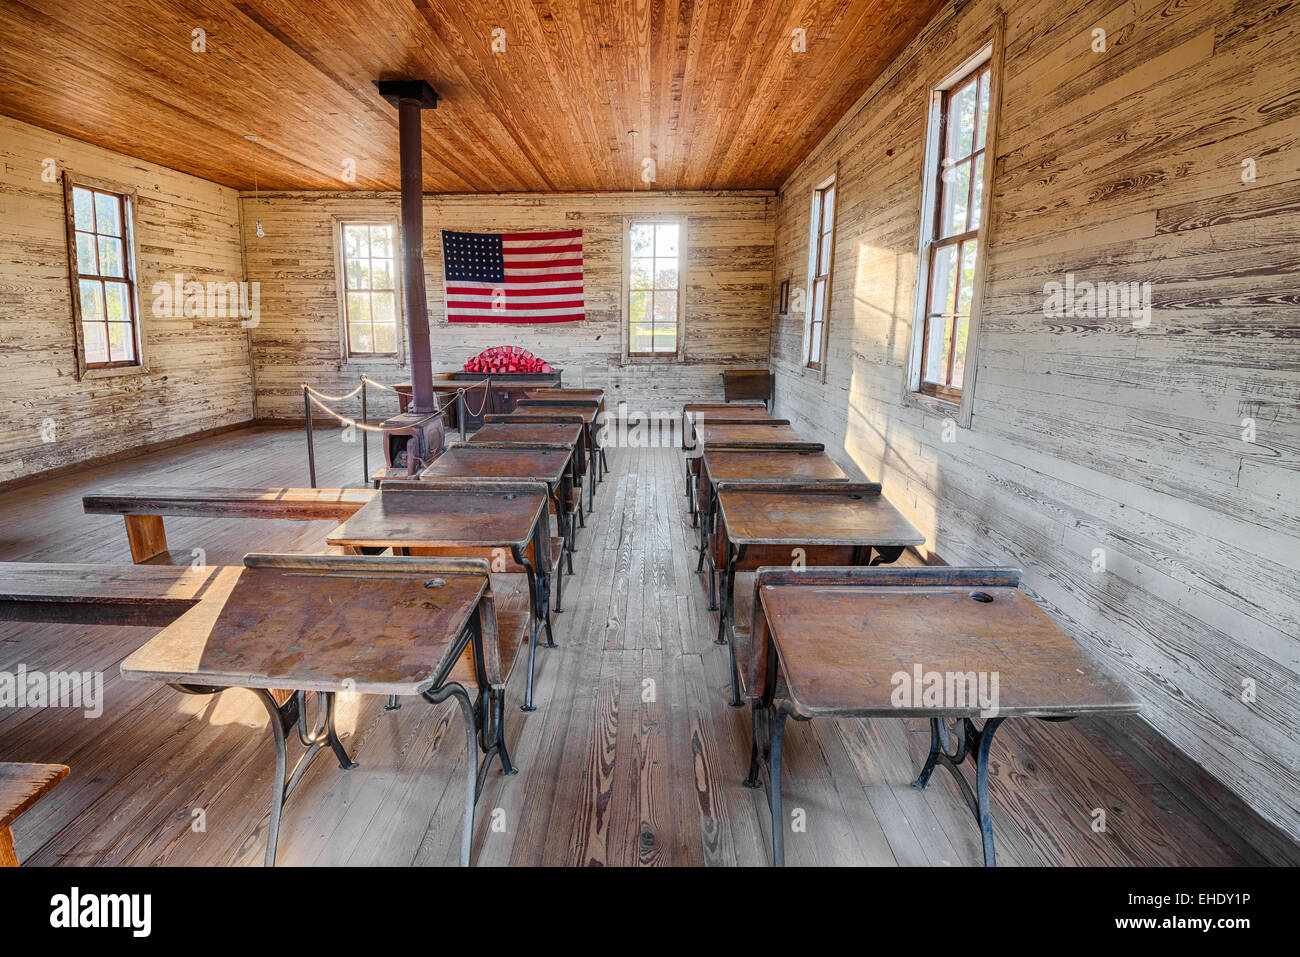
332,398
487,393
311,396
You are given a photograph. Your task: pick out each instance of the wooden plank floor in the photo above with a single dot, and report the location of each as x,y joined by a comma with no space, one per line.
632,758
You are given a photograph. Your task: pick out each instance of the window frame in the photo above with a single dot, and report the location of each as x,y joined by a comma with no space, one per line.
943,399
340,265
126,197
816,235
627,357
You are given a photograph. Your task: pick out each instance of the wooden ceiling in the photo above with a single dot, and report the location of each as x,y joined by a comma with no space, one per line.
717,95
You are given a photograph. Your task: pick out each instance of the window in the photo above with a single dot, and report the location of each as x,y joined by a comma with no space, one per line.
821,244
951,233
101,253
369,253
654,288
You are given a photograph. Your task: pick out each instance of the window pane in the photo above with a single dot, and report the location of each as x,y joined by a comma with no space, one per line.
381,273
956,184
120,346
358,274
384,308
87,261
110,256
355,242
665,306
642,274
83,209
943,280
381,242
108,220
643,239
819,301
92,301
665,339
961,122
665,273
115,302
385,335
358,307
95,337
984,109
959,363
977,199
828,209
966,288
639,322
666,236
824,256
936,354
360,338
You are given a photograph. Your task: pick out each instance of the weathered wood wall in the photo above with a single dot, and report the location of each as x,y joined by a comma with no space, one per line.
1123,166
198,367
727,296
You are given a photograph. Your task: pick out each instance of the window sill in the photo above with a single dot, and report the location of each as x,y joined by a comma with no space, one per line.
933,404
113,372
651,360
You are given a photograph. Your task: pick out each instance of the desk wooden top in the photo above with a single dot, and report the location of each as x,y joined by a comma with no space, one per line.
748,432
22,785
479,517
588,412
320,623
488,464
553,432
768,465
693,406
825,514
598,394
841,646
739,413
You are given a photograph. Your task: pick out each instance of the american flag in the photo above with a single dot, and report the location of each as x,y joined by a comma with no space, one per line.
513,277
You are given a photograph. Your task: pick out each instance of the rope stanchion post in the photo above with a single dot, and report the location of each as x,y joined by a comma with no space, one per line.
311,443
365,436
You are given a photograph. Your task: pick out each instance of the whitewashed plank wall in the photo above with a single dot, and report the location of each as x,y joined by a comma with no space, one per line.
726,312
198,367
1123,166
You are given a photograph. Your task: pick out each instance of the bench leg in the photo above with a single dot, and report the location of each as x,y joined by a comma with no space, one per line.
778,814
534,621
975,743
146,535
283,717
8,857
471,761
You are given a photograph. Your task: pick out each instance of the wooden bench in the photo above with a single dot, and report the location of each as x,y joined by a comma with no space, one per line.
143,508
748,384
149,595
21,786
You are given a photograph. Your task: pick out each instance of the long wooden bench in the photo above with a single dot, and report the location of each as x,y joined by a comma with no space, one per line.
21,786
144,506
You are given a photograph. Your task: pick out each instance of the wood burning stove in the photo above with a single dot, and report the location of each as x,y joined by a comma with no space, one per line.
411,441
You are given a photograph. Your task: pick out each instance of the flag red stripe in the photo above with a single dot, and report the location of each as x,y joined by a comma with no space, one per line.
468,304
527,237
